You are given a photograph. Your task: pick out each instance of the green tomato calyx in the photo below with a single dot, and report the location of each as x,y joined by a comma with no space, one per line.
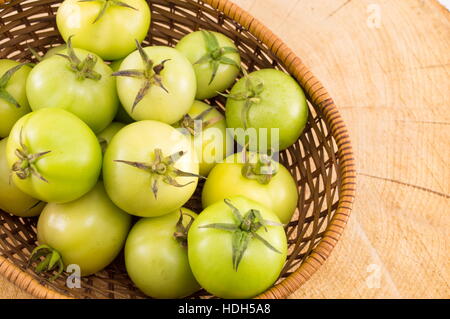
162,168
261,170
181,232
251,95
243,231
4,94
106,4
195,125
216,55
26,163
151,75
83,69
52,260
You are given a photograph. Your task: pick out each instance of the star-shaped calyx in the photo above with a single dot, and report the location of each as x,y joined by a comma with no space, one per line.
83,69
162,169
195,125
181,232
261,170
215,54
243,230
151,75
25,166
52,260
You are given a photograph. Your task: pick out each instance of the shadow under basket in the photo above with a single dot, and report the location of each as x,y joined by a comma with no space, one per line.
321,161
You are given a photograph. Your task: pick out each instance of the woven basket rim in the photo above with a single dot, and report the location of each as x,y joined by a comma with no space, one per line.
334,231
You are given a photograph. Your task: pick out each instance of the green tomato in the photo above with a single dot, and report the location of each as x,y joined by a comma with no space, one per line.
150,169
13,99
55,50
54,156
105,136
108,28
274,100
161,89
89,232
214,143
156,256
90,95
277,191
235,257
12,199
215,58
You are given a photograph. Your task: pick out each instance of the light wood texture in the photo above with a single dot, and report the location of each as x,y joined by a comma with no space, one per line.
390,81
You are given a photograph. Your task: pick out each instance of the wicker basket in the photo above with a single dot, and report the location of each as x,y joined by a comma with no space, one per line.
321,161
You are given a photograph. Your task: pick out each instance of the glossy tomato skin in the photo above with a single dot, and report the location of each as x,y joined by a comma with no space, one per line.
129,187
226,180
156,262
112,36
9,113
178,78
210,252
12,199
51,84
214,144
282,106
73,165
89,232
193,47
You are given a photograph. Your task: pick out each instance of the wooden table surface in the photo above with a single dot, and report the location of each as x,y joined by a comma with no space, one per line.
387,65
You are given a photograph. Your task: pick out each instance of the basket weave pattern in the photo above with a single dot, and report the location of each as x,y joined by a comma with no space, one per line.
321,161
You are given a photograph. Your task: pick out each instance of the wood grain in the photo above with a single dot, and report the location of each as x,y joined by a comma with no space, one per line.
390,80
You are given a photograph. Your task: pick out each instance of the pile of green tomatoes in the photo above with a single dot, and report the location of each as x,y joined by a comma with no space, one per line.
106,140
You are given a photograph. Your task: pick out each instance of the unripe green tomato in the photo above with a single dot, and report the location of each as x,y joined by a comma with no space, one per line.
165,102
88,232
10,113
280,194
12,199
142,169
211,250
279,104
156,261
111,35
56,156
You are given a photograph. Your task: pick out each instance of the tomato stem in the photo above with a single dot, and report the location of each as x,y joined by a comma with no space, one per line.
83,69
216,55
162,168
243,231
197,124
151,74
181,232
52,260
